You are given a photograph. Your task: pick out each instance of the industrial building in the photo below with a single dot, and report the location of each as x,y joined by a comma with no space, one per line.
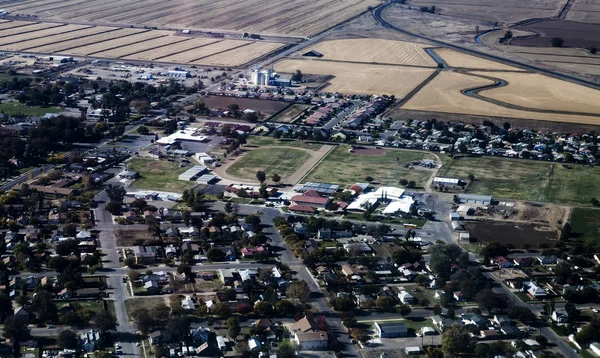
475,199
269,78
193,173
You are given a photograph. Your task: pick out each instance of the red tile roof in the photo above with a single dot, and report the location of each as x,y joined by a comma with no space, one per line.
303,199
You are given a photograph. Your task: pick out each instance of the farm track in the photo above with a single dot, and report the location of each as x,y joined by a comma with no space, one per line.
378,14
565,9
417,89
498,82
365,63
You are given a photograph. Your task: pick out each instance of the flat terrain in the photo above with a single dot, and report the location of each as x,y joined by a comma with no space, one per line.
461,60
300,17
159,175
291,113
532,90
489,10
585,223
575,34
375,51
342,167
357,78
443,94
270,141
13,108
515,234
281,160
527,179
267,108
585,11
131,44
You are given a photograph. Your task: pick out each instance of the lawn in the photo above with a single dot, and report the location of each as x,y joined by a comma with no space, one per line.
133,304
92,305
585,223
527,179
342,167
159,175
283,161
290,114
270,141
14,108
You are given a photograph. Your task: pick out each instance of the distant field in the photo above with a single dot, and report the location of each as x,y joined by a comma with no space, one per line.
527,179
283,161
13,108
585,223
511,233
462,60
375,50
358,78
270,141
585,11
265,107
342,167
494,11
159,175
443,94
300,17
575,34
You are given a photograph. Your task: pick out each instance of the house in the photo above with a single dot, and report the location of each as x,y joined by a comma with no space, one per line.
311,340
222,342
502,262
547,260
254,344
301,230
595,347
459,296
560,316
523,261
199,334
21,315
188,304
510,330
226,276
263,324
391,329
534,291
314,201
412,351
145,254
250,251
473,319
155,337
502,320
189,247
303,325
89,340
230,254
440,322
489,333
150,286
406,298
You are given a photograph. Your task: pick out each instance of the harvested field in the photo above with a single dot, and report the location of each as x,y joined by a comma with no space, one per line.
585,11
361,79
533,90
515,234
375,50
508,11
95,48
300,17
168,50
240,55
78,42
443,94
14,24
8,36
575,34
267,108
42,43
204,51
140,46
462,60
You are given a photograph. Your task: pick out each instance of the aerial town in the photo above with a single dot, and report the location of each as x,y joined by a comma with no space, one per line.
276,179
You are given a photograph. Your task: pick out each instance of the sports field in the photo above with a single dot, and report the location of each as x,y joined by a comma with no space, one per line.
342,167
159,175
299,17
376,51
527,179
280,160
355,78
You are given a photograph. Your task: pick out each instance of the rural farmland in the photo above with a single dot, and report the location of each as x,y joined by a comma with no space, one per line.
462,60
301,17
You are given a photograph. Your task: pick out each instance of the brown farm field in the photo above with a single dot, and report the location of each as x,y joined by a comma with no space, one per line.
585,11
443,94
358,78
132,44
575,34
462,60
515,234
375,51
508,11
267,108
299,17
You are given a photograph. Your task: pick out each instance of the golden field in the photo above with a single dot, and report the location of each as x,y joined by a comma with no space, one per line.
462,60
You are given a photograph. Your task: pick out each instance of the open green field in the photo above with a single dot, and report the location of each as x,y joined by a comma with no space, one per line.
290,114
283,161
270,141
527,180
342,167
14,108
585,223
159,175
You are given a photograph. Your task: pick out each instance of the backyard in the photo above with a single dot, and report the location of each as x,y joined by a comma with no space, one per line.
526,179
342,167
281,160
159,175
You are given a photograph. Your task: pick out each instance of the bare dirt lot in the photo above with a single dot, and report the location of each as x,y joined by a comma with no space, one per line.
267,108
575,34
300,17
510,233
368,151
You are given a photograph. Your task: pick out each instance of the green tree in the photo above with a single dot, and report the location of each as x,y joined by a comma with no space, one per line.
5,306
261,176
68,340
15,328
287,349
298,290
43,307
144,320
215,254
455,340
385,303
403,310
276,178
104,321
221,310
557,42
442,257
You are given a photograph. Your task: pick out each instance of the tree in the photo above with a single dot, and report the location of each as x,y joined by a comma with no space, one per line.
404,310
287,349
489,300
284,308
471,177
557,42
116,193
422,280
442,257
482,350
5,306
424,302
297,77
229,294
67,247
348,319
437,309
144,320
143,130
15,328
455,340
176,328
104,322
508,35
129,262
214,254
43,307
243,308
251,117
261,176
68,340
233,327
221,310
276,178
263,309
298,290
385,303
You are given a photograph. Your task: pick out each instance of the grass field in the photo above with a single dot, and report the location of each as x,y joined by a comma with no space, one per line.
14,108
342,167
585,223
290,114
527,180
283,161
133,304
159,175
270,141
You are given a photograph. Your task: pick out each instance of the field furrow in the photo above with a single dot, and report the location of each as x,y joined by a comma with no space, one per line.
29,32
78,42
169,50
239,56
58,39
191,55
141,46
119,42
26,40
